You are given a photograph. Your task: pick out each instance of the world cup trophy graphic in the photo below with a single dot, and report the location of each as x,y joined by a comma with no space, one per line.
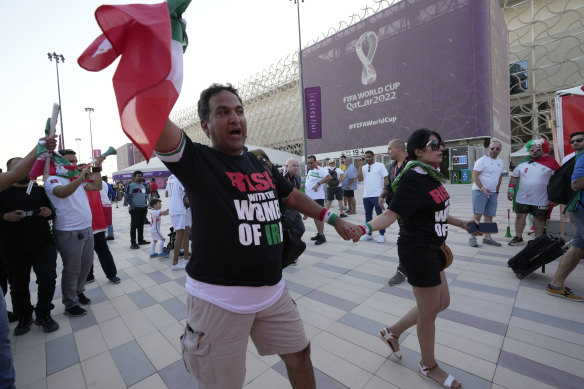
368,75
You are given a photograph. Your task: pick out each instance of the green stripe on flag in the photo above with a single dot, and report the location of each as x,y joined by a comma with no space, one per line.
175,9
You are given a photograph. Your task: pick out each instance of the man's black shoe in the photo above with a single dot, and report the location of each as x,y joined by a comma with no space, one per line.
143,242
134,246
110,238
321,239
114,279
23,325
315,237
11,317
343,215
76,311
46,321
83,299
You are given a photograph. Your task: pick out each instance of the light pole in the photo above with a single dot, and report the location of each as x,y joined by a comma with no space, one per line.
301,83
78,146
57,58
89,110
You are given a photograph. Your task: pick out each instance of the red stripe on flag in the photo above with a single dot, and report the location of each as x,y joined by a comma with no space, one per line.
141,34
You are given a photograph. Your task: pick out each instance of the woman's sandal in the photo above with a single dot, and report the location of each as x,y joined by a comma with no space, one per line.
424,370
391,340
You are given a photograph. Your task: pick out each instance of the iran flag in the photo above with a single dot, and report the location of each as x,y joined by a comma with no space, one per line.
151,39
569,118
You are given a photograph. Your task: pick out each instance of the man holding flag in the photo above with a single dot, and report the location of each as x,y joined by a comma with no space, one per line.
528,188
235,284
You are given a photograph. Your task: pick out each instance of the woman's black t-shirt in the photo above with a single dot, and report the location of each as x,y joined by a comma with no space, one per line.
423,204
236,230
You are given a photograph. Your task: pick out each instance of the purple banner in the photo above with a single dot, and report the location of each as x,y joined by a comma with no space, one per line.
126,176
418,63
313,112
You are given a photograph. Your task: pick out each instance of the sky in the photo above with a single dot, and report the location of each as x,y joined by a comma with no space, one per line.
229,41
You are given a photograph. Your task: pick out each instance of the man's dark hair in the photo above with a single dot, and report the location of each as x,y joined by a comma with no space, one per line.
369,152
418,140
104,178
136,173
203,104
10,162
154,201
153,179
576,133
311,156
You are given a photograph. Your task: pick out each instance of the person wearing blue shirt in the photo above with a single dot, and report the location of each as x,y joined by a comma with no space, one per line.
572,257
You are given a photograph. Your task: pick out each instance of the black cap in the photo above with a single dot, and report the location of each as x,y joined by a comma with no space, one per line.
67,151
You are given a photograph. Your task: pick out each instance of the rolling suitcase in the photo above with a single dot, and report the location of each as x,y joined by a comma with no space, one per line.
538,253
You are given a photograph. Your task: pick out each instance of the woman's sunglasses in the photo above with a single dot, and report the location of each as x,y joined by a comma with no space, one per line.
435,145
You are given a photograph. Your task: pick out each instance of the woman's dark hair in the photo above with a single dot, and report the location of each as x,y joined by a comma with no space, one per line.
418,140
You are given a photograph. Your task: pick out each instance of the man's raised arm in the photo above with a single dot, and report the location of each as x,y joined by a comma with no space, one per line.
23,167
169,138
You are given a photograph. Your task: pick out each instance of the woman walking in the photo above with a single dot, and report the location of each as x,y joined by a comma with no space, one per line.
423,203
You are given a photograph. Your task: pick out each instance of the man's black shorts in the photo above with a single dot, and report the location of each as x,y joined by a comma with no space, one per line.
334,193
349,193
320,202
540,212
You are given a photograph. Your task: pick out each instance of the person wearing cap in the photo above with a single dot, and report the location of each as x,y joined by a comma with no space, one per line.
73,232
334,189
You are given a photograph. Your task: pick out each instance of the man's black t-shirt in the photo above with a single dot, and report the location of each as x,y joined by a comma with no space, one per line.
33,230
236,231
423,204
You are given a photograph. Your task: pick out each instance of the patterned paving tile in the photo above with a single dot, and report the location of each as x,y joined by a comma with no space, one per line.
80,323
323,381
175,307
336,269
550,320
540,372
331,300
158,277
132,363
175,376
141,299
296,287
61,353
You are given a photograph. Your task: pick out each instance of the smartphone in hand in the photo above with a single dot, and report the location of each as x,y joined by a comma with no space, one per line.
488,228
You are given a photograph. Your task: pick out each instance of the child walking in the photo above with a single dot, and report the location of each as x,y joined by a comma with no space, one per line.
155,218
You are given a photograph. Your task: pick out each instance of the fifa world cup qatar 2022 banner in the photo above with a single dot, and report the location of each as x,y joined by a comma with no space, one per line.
419,63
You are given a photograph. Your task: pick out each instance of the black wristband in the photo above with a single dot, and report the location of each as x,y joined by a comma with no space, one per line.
96,169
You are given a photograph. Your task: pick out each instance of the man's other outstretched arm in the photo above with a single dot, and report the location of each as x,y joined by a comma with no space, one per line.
304,204
169,138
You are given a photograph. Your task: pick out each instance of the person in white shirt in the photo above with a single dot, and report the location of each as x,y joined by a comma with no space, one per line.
73,232
181,222
316,177
528,188
486,176
374,176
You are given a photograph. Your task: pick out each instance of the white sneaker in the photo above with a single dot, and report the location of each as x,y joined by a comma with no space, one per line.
366,237
381,239
179,266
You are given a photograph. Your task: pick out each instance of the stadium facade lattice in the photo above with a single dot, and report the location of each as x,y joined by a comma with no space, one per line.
546,54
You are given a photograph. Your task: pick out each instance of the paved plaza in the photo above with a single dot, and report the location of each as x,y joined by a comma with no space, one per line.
499,332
